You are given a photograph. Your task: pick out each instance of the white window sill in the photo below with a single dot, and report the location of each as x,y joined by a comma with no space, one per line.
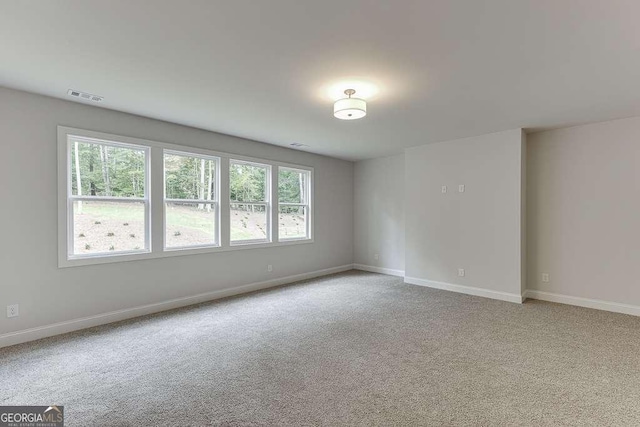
123,257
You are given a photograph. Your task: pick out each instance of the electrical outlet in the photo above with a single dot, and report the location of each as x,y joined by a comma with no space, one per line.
13,310
376,257
461,272
461,188
444,189
545,277
269,268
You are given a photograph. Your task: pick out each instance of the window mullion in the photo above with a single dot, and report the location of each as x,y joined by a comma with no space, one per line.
275,211
156,202
224,218
70,228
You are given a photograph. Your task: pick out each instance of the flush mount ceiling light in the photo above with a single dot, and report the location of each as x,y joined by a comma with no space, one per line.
350,108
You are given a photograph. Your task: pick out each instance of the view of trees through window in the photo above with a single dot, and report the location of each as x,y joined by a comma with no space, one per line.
293,186
109,201
188,177
248,184
117,224
190,195
104,170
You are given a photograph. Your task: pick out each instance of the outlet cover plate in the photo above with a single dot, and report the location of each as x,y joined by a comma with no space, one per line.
13,310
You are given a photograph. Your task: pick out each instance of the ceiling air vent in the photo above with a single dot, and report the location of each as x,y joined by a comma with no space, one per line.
298,145
85,96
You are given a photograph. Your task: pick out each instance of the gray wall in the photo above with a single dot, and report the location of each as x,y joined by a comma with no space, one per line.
478,230
580,214
379,212
28,262
583,214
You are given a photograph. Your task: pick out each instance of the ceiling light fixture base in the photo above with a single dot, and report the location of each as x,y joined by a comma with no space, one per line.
350,108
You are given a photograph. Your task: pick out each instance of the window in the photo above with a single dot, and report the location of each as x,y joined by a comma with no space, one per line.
191,200
294,188
126,199
249,207
108,198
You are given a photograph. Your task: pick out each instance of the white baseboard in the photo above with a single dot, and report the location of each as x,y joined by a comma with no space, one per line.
615,307
381,270
39,332
479,292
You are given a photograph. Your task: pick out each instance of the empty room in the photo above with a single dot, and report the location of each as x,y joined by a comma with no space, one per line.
331,213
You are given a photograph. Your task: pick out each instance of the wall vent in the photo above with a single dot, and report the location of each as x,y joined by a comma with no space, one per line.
85,96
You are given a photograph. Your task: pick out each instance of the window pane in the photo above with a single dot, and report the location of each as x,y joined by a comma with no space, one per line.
248,222
247,183
293,222
108,227
103,170
292,186
190,224
189,177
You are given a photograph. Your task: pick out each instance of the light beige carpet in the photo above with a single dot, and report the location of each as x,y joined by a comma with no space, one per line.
349,349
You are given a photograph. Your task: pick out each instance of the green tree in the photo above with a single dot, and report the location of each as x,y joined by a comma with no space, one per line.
247,183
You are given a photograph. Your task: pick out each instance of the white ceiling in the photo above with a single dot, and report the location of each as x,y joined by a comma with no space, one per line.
260,69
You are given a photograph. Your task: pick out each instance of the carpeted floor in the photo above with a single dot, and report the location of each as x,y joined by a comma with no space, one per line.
350,349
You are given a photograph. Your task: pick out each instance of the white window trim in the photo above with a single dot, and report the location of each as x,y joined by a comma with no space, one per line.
214,202
155,188
307,204
268,203
71,198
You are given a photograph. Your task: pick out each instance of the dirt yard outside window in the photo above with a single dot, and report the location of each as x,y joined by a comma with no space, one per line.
110,227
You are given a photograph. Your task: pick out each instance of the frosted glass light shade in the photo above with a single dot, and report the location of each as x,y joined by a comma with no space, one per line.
350,108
